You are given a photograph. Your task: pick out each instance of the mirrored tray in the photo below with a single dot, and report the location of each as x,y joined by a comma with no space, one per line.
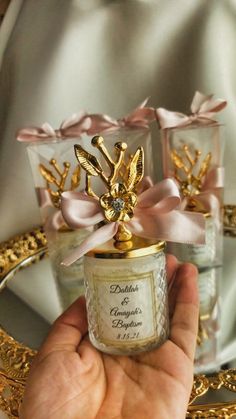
212,396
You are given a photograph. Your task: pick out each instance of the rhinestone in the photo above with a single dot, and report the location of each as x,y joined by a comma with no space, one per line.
118,204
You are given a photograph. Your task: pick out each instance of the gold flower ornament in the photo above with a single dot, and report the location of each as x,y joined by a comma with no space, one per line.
118,203
120,200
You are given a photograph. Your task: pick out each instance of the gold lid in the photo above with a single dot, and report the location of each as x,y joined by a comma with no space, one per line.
134,248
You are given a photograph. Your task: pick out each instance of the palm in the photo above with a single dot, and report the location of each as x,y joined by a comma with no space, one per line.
99,386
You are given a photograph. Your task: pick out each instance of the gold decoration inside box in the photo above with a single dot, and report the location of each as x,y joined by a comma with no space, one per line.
16,358
189,173
56,179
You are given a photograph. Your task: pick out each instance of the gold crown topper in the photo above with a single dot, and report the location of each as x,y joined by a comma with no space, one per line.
184,165
120,200
56,182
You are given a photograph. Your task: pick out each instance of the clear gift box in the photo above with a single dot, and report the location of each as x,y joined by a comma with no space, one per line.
55,170
193,156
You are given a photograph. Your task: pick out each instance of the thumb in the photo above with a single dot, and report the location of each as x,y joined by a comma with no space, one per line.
67,331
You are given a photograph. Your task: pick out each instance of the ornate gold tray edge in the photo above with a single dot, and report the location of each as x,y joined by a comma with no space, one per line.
16,358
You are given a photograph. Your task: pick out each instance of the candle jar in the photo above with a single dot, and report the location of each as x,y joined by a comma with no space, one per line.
202,255
55,170
193,155
70,280
126,296
209,320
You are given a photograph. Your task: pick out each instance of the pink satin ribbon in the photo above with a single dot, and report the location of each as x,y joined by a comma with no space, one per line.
89,124
155,216
203,109
74,126
55,220
140,117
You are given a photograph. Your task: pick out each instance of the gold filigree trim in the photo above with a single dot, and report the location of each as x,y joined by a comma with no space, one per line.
230,220
212,411
15,358
15,362
20,251
202,384
11,396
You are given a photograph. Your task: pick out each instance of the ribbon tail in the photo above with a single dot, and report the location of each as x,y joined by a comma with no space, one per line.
31,134
97,238
214,179
212,205
175,226
170,119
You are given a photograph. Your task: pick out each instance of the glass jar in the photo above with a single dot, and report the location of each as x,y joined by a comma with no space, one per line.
202,255
55,170
193,156
126,296
70,279
207,349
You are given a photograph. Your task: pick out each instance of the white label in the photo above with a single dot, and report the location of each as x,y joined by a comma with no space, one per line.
126,309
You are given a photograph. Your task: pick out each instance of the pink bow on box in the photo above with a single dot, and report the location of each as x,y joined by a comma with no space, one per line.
140,117
155,216
203,109
74,126
90,124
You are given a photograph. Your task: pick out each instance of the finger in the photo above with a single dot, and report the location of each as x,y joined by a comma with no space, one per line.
171,267
67,331
184,324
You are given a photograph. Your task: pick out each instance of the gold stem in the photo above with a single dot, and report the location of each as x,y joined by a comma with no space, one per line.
123,234
64,175
98,142
55,165
88,187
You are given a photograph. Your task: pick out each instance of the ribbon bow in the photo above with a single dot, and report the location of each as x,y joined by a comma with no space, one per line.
74,126
203,109
155,216
140,117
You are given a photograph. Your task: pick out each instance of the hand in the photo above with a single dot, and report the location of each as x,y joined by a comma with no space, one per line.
70,379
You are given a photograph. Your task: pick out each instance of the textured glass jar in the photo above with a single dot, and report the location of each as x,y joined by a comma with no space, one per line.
126,295
207,349
196,152
70,279
202,255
